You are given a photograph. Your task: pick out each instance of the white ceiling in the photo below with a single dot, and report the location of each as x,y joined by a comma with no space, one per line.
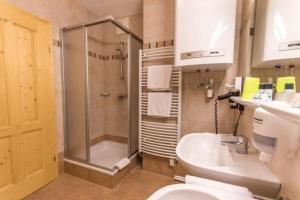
116,8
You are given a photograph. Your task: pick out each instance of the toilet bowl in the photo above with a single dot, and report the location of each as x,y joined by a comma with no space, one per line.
202,191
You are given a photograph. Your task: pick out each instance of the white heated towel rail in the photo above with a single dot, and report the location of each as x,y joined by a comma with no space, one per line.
159,137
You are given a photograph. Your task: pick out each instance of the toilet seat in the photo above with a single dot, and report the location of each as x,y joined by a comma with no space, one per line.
243,191
204,189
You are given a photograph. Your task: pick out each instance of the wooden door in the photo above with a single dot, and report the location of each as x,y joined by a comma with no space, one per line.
27,111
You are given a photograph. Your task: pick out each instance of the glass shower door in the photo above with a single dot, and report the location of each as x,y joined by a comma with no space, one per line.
108,97
75,94
101,94
135,46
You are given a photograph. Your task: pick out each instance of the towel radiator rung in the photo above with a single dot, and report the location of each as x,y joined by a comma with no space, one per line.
159,138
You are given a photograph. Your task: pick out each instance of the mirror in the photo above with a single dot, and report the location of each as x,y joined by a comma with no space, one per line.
270,39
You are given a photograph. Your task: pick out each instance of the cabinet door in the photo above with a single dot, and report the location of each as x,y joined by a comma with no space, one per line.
205,33
27,128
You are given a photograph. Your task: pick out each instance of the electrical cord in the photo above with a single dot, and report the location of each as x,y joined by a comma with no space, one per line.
216,115
241,109
237,122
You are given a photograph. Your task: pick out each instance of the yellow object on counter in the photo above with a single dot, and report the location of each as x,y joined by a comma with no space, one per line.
251,87
282,81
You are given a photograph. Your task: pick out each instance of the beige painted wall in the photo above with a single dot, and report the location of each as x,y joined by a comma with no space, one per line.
287,170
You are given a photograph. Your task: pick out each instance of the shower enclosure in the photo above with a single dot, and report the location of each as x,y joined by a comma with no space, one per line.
100,93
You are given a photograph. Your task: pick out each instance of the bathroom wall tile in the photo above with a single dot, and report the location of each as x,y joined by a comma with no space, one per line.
158,20
158,44
124,172
77,171
157,165
99,178
96,85
114,138
97,140
161,166
116,107
197,111
136,24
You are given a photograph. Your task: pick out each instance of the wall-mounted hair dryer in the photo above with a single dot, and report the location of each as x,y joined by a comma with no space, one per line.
233,93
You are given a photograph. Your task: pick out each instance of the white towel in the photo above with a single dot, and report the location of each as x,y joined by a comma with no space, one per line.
159,77
218,185
159,104
122,163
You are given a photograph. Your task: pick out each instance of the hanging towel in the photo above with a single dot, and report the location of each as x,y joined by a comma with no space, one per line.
159,77
159,104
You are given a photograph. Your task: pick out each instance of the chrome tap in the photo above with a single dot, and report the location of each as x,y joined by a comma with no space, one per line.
240,143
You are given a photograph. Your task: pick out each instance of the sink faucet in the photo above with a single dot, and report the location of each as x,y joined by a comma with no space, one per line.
240,143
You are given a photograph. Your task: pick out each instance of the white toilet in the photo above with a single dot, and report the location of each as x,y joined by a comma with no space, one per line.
202,189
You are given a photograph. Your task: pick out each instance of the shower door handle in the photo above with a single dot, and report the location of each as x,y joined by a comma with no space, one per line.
105,94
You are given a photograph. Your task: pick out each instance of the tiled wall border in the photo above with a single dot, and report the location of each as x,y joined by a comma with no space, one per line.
98,56
157,44
57,43
102,57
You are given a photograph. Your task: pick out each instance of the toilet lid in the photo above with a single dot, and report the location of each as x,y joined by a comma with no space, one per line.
243,191
194,192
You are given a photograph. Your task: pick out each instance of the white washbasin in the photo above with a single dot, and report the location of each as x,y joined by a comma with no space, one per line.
194,192
203,150
283,109
203,155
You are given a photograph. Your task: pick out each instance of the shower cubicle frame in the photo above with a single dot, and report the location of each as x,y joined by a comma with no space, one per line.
84,26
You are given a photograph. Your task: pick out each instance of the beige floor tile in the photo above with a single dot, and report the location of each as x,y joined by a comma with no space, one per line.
137,185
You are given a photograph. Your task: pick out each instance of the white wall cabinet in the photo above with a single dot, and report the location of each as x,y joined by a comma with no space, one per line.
277,33
205,34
